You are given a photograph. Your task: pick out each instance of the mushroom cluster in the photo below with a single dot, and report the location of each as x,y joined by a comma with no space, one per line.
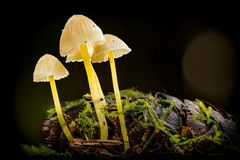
83,41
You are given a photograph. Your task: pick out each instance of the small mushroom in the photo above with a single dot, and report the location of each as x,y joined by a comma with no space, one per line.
76,42
49,69
113,48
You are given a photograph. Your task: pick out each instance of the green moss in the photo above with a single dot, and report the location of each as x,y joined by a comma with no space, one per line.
194,140
111,115
127,93
149,112
87,96
206,112
42,150
144,108
216,138
110,96
51,112
166,112
149,118
135,106
87,121
139,110
132,92
153,100
206,116
72,103
65,107
176,138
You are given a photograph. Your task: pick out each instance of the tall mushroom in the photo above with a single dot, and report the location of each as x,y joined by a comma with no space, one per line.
76,42
113,48
49,69
75,56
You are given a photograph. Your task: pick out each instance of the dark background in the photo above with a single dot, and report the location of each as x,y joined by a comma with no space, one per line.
157,33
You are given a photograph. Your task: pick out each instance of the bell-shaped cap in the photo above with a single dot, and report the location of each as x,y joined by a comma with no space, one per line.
79,29
112,43
75,54
49,65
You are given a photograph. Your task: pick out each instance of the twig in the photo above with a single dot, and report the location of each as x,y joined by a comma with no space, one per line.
80,142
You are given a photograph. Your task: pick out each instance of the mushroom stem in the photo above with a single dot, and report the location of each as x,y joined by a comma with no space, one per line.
59,110
100,92
94,92
99,88
118,101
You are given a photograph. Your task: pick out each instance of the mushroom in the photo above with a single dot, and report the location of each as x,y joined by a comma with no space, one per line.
113,48
76,42
75,56
49,69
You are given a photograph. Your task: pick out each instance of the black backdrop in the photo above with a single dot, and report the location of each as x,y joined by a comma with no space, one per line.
157,33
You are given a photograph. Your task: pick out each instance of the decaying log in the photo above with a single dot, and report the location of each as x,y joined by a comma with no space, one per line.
156,123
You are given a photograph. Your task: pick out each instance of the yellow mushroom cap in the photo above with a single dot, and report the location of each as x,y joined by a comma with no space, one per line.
49,65
112,43
79,29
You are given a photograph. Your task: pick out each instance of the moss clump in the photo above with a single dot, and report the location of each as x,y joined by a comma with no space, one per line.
65,107
86,121
43,151
51,112
126,94
155,123
206,116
